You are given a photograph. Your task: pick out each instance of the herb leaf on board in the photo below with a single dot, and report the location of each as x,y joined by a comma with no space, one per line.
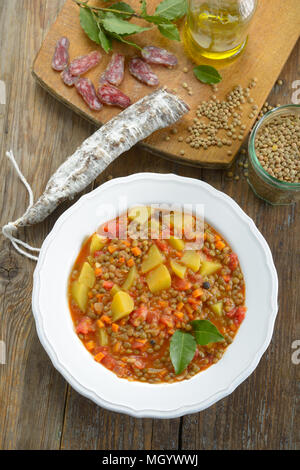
114,24
182,350
207,74
89,24
206,332
170,31
172,9
122,7
105,41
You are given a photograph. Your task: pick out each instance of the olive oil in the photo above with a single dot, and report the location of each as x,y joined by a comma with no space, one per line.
217,29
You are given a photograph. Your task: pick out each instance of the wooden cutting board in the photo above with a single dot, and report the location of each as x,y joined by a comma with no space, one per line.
274,31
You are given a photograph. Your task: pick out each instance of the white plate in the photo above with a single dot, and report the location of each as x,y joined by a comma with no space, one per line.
76,364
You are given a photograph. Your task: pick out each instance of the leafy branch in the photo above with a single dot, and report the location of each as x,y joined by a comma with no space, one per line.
102,24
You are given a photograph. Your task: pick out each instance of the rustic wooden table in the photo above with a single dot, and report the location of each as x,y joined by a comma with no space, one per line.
38,410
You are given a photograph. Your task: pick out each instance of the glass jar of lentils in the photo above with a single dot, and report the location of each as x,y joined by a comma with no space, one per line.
274,156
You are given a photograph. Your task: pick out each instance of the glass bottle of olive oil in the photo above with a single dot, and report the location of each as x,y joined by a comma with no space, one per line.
217,29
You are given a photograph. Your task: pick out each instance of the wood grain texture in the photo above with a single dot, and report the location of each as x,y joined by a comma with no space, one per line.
266,51
38,410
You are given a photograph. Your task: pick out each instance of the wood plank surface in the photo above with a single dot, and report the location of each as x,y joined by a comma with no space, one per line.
273,33
38,410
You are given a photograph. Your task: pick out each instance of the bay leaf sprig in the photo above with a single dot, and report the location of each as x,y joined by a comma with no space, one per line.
207,74
183,345
113,21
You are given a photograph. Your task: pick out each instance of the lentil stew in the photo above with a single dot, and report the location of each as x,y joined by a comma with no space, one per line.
128,296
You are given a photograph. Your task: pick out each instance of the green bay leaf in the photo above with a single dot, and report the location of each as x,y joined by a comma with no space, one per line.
172,9
89,24
206,332
207,74
157,19
105,41
126,41
182,350
170,31
114,24
122,7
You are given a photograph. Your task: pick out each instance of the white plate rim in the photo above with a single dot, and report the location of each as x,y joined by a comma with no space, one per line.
148,413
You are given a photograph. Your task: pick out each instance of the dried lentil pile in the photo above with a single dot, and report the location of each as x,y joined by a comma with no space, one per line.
214,117
277,147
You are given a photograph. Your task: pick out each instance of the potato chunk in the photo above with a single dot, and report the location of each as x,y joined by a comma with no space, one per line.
209,267
192,260
87,275
152,259
130,279
178,269
176,243
97,243
159,278
139,214
217,308
115,288
80,294
181,222
122,305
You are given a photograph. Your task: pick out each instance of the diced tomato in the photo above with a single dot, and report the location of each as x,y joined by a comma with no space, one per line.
233,261
207,253
167,320
109,362
196,354
103,349
238,314
196,279
139,315
138,363
181,284
153,317
162,245
108,285
85,326
98,253
137,345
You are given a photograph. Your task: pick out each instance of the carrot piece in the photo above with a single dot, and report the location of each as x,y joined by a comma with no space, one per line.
122,259
130,262
162,373
227,277
179,254
204,236
100,324
197,293
90,345
220,245
217,237
117,346
179,315
105,319
126,242
162,303
114,327
112,248
98,272
188,308
99,357
136,251
180,306
193,301
90,295
99,296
